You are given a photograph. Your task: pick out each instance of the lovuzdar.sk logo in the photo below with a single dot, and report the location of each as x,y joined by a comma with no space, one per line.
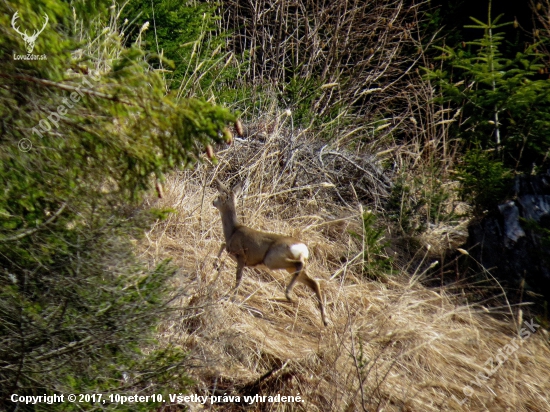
30,40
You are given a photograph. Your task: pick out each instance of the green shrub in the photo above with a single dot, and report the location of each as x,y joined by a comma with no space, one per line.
188,35
504,117
78,308
485,181
376,263
419,199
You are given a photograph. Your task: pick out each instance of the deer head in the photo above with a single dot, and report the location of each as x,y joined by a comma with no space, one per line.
29,40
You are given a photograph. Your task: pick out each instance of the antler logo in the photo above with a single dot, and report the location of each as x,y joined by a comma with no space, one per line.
29,40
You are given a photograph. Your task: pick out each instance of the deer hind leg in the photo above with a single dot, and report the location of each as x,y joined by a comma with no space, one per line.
298,270
313,285
301,276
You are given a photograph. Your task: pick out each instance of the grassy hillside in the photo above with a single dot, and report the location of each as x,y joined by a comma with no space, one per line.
391,345
371,132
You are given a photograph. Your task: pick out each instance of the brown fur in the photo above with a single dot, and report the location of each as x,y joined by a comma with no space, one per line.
250,247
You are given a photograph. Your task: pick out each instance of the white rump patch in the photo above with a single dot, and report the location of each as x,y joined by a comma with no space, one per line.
299,251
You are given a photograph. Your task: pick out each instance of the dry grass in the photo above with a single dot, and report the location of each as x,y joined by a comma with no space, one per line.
392,346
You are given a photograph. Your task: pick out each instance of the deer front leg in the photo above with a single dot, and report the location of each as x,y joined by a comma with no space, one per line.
222,248
240,268
299,266
217,264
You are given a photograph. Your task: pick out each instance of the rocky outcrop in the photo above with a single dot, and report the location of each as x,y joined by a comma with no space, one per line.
514,241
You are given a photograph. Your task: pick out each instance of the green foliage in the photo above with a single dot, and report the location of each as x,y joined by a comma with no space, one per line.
540,231
299,95
485,180
303,96
419,199
162,214
403,207
505,109
78,309
186,34
440,19
376,263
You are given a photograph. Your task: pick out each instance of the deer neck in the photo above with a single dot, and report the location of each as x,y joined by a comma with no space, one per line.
229,223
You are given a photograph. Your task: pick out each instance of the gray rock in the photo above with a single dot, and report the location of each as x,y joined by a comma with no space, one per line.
513,242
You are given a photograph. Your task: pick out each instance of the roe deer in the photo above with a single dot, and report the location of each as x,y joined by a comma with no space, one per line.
249,247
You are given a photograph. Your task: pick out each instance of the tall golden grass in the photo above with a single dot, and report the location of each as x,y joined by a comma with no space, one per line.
391,346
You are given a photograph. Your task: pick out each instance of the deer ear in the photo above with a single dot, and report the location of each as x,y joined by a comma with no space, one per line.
237,189
221,187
